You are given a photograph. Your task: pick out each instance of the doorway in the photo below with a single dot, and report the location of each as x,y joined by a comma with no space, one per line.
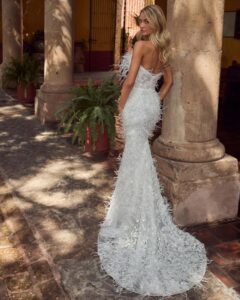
100,53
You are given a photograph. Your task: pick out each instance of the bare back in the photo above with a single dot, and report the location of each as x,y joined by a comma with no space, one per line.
150,60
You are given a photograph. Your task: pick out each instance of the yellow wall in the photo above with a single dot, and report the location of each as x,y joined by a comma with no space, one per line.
33,16
33,19
81,20
231,46
103,24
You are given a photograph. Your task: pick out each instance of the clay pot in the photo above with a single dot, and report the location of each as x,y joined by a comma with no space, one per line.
26,94
20,92
102,143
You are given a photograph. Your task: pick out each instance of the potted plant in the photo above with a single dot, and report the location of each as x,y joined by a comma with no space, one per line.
90,115
25,73
32,72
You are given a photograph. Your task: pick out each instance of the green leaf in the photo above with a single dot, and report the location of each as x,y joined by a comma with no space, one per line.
93,107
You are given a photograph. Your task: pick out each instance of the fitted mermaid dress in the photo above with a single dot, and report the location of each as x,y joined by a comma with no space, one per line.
139,246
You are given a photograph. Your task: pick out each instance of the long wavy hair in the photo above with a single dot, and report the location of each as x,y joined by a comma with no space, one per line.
160,37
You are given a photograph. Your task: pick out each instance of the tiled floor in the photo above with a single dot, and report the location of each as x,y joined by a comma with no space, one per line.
24,272
222,241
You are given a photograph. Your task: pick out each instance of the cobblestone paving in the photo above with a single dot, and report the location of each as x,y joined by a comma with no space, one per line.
52,203
24,272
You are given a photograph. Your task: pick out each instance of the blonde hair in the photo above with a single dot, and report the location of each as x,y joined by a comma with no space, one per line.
160,37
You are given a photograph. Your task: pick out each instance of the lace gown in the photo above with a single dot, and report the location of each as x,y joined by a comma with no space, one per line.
139,246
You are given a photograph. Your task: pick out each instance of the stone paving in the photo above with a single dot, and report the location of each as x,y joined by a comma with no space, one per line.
52,200
24,272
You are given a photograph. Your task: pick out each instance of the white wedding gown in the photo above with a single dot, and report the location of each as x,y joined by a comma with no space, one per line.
139,246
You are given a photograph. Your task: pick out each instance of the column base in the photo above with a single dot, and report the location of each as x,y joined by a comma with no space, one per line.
48,101
200,192
189,151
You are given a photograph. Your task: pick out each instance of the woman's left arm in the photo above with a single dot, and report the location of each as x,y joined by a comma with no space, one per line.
132,74
168,82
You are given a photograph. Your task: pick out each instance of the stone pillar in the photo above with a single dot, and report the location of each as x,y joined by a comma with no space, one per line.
118,31
12,29
58,65
201,181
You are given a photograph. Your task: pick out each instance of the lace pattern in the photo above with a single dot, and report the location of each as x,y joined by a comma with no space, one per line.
139,246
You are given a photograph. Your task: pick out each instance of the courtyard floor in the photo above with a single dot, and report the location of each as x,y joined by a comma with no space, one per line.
51,203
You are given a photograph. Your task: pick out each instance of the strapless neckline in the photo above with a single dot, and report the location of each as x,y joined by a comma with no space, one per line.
150,72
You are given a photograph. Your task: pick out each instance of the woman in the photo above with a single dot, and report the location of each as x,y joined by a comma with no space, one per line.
138,244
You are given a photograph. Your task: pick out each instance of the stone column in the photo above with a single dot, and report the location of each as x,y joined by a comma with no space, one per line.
12,28
118,31
58,65
201,181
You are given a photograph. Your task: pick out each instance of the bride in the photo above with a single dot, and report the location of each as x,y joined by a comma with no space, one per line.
139,246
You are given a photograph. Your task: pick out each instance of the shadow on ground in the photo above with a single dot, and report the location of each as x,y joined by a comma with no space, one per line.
61,194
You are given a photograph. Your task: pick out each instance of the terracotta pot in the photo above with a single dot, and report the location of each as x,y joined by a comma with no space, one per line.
26,94
21,92
31,93
102,143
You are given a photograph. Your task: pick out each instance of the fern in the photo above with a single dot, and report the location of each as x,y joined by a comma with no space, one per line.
91,106
22,71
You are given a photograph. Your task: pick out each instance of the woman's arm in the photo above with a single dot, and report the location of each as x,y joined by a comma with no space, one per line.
132,74
168,82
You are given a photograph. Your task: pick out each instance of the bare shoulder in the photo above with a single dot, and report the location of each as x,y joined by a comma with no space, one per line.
144,46
139,45
138,50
